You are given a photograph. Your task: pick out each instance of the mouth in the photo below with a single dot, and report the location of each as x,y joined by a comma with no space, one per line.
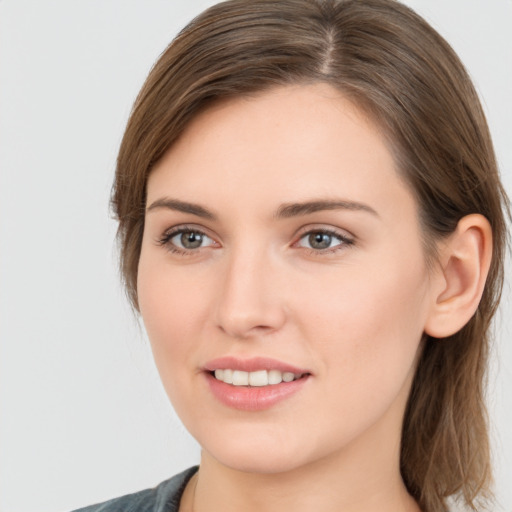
258,378
254,384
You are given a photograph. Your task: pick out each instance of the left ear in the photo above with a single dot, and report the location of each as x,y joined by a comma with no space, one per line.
464,260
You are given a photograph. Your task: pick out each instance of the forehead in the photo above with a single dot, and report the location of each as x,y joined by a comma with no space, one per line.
290,143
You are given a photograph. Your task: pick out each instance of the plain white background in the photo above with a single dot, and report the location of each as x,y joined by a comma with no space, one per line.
83,417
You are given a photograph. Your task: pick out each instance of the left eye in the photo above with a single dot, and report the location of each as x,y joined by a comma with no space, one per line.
322,240
190,240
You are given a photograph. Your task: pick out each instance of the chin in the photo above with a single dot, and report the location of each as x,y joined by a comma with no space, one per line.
258,461
253,452
263,451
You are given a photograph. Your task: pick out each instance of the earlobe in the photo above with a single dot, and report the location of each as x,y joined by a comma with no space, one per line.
464,261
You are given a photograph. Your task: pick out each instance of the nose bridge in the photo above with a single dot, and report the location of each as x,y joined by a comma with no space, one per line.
250,302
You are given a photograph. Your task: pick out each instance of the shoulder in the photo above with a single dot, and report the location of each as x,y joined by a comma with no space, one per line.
165,497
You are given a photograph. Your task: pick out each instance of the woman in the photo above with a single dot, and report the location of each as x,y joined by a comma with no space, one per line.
312,228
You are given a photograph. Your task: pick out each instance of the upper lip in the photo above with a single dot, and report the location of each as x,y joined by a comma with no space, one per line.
251,365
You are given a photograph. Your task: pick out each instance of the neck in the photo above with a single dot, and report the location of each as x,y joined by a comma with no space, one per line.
364,478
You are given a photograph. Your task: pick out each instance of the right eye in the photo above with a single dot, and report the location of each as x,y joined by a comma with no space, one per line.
183,240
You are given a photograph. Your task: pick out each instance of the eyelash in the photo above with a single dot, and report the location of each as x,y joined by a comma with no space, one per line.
344,241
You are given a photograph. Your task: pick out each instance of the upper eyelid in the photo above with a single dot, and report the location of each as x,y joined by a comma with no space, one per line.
322,228
180,228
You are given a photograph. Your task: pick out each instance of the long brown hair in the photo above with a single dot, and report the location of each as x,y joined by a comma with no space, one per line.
394,66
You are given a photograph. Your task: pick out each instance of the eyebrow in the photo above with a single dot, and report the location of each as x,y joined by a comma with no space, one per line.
288,210
285,211
181,206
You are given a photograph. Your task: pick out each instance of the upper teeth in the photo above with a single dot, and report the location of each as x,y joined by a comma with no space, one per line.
258,378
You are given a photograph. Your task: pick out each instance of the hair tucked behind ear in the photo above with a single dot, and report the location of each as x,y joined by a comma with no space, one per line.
392,64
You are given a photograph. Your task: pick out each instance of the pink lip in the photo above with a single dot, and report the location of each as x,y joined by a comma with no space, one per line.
247,398
251,365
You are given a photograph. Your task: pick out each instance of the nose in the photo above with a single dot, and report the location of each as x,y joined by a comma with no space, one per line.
251,296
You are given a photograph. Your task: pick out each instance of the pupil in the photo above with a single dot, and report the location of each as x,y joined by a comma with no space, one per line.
191,240
320,240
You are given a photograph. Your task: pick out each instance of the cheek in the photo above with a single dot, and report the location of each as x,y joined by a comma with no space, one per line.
368,327
171,305
160,307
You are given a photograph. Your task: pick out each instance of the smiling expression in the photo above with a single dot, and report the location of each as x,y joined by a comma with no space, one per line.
282,280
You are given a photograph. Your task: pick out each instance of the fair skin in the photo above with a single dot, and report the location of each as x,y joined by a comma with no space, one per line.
277,227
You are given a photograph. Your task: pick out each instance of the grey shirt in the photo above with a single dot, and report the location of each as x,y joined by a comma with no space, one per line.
165,497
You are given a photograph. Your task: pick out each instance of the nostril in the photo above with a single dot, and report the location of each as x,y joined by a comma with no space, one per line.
243,329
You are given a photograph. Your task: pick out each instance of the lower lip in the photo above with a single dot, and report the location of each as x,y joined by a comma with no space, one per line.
253,398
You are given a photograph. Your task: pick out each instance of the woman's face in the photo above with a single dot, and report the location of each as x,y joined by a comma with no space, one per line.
280,243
